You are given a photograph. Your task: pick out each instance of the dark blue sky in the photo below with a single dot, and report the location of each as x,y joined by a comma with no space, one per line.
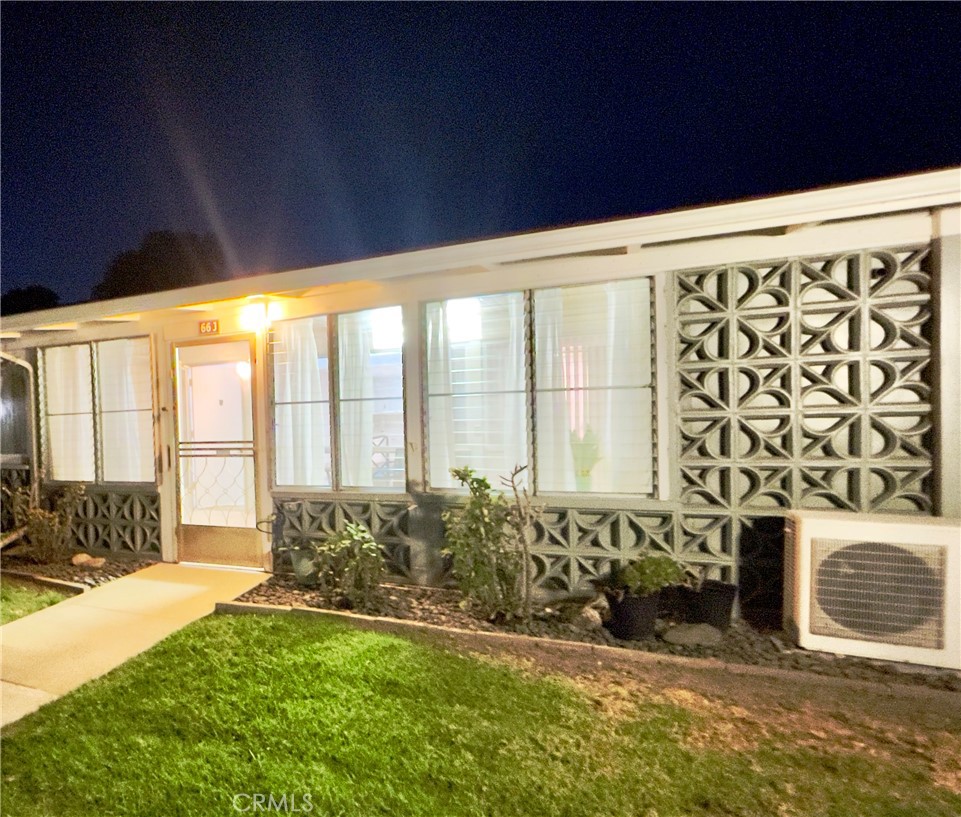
308,133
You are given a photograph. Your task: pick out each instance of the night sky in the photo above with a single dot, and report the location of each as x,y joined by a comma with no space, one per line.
303,134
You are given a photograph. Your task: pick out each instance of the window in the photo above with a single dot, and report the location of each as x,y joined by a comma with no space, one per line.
593,390
590,382
476,399
371,399
302,403
103,434
368,402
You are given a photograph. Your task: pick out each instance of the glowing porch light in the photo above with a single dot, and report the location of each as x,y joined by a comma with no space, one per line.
254,316
275,312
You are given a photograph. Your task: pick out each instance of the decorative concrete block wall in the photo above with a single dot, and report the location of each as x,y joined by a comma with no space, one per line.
797,383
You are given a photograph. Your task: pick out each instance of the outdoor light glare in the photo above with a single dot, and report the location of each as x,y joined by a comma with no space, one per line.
387,328
243,369
275,312
254,317
464,319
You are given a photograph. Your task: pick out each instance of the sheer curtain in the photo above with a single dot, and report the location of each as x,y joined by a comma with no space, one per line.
593,388
301,403
125,408
476,386
68,402
356,400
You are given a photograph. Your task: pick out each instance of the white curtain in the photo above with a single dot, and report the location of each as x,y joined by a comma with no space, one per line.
555,410
441,440
125,404
354,339
68,401
593,384
301,403
476,387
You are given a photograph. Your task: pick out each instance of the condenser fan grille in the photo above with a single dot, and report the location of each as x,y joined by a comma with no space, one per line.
876,591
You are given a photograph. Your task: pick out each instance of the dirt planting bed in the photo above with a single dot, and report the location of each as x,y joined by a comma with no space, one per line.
114,567
740,644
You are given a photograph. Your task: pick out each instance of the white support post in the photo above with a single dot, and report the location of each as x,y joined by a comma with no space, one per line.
946,292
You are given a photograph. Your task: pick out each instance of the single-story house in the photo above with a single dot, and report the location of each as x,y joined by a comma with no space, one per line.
678,381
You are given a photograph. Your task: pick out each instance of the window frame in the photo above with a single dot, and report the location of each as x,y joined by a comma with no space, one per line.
96,414
423,351
337,487
530,365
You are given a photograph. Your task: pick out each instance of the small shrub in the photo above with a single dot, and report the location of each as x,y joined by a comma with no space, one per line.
49,533
650,573
350,565
487,563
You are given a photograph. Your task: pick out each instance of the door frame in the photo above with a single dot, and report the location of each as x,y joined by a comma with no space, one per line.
259,430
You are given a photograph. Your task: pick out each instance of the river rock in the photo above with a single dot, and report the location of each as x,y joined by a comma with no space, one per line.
588,619
693,635
80,558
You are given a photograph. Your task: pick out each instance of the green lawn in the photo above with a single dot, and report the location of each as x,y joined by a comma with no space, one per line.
369,724
19,599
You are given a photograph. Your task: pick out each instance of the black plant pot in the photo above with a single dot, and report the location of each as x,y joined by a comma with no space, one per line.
713,604
676,600
633,617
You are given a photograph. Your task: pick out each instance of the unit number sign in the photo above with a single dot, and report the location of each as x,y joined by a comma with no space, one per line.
210,327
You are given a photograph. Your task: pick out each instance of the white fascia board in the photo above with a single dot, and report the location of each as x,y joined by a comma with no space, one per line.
920,191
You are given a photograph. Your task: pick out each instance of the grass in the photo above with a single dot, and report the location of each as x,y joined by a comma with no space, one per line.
369,724
19,599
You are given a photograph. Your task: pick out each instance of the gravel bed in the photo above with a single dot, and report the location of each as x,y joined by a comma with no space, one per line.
741,643
113,568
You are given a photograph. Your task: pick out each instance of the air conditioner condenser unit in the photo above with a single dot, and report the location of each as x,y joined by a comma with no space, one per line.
885,587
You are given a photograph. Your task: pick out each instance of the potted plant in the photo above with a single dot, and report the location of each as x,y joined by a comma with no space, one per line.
633,594
713,604
303,556
303,559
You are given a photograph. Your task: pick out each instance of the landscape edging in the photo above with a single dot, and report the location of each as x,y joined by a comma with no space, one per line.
73,588
400,627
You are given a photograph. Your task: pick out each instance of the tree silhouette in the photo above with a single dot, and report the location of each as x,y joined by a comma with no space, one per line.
28,299
164,260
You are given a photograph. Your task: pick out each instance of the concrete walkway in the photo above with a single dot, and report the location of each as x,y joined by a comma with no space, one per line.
49,653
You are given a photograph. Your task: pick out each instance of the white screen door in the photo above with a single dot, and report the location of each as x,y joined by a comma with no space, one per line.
215,454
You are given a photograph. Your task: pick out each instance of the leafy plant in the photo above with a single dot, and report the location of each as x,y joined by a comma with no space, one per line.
49,532
350,564
488,539
650,573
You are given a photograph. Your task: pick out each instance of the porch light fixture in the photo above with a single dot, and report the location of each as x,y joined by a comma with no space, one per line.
258,314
